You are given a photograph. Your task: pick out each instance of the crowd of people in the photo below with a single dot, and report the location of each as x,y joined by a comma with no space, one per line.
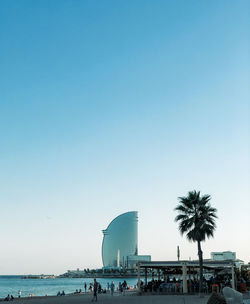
96,288
176,285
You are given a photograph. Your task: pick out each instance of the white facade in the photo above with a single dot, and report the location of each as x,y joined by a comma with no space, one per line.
223,256
120,240
134,259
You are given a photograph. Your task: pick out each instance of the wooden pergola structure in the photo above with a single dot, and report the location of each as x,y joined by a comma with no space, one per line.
183,268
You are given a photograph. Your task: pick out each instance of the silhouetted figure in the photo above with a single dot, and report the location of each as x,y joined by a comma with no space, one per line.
7,298
112,288
120,287
95,287
124,287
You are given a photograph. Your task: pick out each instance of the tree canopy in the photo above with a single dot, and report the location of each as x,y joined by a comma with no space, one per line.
196,216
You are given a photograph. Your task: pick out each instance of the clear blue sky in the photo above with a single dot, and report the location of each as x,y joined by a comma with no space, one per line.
112,106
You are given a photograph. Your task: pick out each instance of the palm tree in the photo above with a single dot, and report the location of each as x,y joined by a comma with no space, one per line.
197,220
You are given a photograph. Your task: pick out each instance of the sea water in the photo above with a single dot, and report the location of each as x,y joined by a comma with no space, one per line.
41,287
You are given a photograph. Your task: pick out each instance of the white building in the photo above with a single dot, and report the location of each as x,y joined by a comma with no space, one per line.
226,256
120,242
223,256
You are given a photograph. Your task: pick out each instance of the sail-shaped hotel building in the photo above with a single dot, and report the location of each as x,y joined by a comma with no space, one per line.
120,242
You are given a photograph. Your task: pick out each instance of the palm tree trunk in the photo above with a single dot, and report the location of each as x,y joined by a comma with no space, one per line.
201,267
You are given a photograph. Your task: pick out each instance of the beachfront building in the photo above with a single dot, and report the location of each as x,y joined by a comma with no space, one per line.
182,270
120,242
226,256
222,256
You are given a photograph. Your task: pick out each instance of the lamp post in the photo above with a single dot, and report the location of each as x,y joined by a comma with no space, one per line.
178,253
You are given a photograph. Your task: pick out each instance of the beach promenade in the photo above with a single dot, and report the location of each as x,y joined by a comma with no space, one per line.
117,298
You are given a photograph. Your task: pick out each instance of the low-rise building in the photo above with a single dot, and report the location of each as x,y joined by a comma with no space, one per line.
226,256
223,256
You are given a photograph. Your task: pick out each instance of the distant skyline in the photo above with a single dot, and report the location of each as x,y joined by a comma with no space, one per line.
115,106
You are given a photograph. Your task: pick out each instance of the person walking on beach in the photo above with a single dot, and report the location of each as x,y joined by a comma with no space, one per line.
85,286
19,293
95,287
124,287
112,288
120,287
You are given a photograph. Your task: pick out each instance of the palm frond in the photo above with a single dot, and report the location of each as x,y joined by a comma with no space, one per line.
180,217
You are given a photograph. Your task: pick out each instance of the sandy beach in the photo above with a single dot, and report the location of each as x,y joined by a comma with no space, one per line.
117,298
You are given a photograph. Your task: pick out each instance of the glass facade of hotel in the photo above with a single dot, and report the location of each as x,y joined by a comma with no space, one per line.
120,240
